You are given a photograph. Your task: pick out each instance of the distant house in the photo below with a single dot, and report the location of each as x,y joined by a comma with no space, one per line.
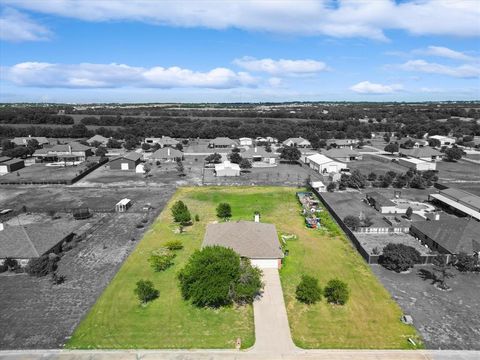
245,141
444,140
252,240
425,153
222,143
167,154
26,242
127,162
411,143
227,169
381,203
323,164
417,164
458,201
266,140
23,141
342,143
343,154
259,154
297,142
98,139
71,152
11,165
449,236
163,141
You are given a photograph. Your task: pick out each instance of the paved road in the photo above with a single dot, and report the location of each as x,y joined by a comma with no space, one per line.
272,332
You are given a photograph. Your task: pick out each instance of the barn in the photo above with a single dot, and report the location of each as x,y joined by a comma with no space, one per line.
127,162
11,165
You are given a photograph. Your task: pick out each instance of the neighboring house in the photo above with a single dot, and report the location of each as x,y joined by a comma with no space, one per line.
343,154
227,169
342,143
411,143
323,164
71,152
425,153
259,154
127,162
449,236
23,141
381,203
167,154
163,141
417,164
297,142
25,242
458,201
444,140
98,139
245,141
253,240
222,142
11,165
266,140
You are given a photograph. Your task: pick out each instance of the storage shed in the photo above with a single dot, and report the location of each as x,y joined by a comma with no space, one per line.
11,165
123,205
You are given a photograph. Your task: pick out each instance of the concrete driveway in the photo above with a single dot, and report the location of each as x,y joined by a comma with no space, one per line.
272,332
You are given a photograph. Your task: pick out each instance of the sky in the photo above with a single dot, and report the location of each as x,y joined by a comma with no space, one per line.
83,51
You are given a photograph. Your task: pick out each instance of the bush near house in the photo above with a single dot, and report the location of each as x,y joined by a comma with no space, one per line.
43,265
337,292
464,262
399,257
308,291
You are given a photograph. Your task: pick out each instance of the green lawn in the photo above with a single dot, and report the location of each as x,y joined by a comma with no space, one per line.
369,320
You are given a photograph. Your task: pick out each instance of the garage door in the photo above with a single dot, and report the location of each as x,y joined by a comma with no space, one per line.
265,263
124,166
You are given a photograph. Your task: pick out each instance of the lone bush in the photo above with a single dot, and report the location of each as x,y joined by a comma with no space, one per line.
308,291
337,292
161,259
145,291
174,245
351,221
464,262
399,257
42,266
10,263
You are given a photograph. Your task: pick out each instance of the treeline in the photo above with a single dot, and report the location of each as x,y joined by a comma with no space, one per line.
30,115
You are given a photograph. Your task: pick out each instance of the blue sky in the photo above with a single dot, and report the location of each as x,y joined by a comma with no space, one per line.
196,51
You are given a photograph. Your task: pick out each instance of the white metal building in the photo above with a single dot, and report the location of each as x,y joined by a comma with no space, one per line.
417,164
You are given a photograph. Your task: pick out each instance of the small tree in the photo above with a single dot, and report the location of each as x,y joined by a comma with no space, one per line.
434,143
10,263
351,221
308,291
290,153
337,292
399,257
42,266
146,147
213,158
409,213
224,211
372,176
161,259
453,154
181,214
331,187
245,164
464,262
145,291
391,148
180,168
235,157
442,268
101,152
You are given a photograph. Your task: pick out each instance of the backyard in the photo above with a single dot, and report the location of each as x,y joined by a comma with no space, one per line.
371,319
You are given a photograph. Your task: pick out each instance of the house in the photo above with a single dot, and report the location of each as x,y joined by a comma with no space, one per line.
128,162
457,201
444,140
250,239
163,141
71,152
449,236
425,153
342,143
98,139
323,164
343,154
411,143
11,165
259,154
167,154
227,169
266,140
26,242
222,142
23,141
417,164
381,203
297,142
245,141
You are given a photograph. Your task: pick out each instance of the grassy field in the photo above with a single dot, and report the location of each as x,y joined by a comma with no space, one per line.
369,320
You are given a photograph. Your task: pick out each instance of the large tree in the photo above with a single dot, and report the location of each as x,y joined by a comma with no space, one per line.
290,153
391,148
453,154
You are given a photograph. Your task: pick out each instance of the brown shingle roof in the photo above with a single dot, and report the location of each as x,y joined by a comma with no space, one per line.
249,239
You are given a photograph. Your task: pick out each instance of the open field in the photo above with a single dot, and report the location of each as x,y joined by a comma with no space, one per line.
117,321
446,320
378,165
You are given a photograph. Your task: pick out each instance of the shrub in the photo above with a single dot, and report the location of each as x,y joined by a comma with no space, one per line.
215,276
57,279
181,214
10,263
337,292
42,266
399,257
197,218
161,259
351,221
464,262
3,268
174,245
224,211
145,291
308,291
331,187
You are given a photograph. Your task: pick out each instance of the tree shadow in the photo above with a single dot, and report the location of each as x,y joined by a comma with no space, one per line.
428,275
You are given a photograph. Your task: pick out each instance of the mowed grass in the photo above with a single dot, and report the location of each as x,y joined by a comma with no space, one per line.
371,319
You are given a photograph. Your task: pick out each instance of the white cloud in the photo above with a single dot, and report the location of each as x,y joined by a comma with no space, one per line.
282,66
17,27
367,87
461,71
355,18
275,82
85,75
445,52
